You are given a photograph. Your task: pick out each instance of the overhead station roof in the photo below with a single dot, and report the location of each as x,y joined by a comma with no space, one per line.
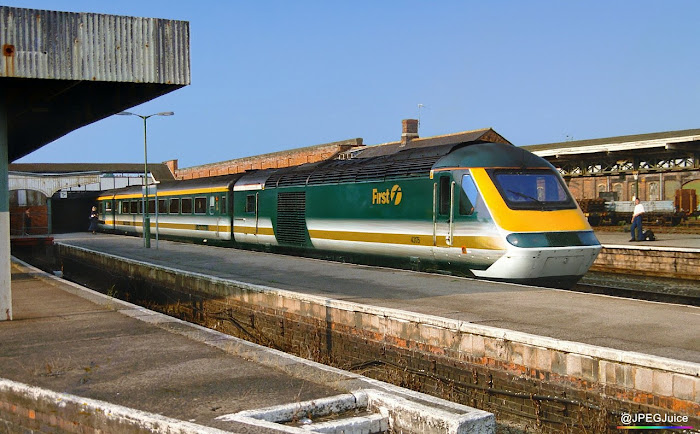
160,171
684,139
61,70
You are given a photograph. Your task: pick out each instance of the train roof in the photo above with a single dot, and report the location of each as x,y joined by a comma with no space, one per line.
492,155
376,163
223,182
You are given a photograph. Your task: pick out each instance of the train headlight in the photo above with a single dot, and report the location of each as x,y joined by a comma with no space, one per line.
528,240
552,239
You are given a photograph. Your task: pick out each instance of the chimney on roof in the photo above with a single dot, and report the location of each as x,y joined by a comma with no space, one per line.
172,165
410,130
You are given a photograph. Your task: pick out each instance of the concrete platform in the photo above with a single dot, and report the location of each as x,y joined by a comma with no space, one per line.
621,324
666,241
550,346
675,256
71,340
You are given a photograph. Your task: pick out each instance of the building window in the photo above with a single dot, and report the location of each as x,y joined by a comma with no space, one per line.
617,188
653,191
633,191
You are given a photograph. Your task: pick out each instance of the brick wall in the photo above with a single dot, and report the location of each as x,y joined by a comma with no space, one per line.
274,160
651,261
544,384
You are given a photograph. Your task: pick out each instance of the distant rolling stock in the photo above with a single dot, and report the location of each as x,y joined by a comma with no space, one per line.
489,210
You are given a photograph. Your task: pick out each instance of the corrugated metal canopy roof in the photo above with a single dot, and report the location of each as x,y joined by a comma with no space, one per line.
619,143
61,70
160,171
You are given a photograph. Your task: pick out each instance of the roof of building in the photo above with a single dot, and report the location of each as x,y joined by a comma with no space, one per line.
342,144
619,143
482,135
160,171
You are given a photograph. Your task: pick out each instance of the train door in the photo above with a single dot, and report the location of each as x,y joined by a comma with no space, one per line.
215,214
111,214
443,211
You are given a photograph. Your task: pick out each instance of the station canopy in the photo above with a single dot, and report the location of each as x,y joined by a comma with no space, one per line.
60,71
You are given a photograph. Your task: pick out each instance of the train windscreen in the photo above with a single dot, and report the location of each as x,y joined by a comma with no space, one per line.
532,189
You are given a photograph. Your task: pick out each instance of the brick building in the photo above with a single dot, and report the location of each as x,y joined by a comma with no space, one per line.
293,157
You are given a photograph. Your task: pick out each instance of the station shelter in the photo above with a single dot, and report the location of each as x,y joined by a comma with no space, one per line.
58,196
651,167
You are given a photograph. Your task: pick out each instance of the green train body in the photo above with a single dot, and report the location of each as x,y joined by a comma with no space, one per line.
489,210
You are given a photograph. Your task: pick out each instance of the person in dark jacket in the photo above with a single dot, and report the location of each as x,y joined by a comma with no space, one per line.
93,220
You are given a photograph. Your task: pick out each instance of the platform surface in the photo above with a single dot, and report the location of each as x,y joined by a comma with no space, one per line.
646,327
673,241
95,348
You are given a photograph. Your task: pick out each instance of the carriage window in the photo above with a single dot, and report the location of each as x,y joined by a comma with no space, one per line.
200,205
125,207
151,206
250,203
174,206
213,200
187,205
223,208
444,206
108,206
134,206
162,206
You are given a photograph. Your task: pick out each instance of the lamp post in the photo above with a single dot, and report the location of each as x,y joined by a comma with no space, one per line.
146,218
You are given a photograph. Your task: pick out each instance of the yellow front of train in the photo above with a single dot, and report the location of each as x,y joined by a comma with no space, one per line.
520,199
549,240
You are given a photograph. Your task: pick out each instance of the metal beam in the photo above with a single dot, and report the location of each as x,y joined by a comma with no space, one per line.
5,285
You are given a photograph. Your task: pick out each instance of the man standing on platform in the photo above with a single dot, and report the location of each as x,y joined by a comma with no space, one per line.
637,220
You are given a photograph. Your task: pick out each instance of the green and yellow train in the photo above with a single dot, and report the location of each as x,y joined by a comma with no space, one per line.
489,210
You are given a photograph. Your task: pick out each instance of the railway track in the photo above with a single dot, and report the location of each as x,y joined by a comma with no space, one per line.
638,294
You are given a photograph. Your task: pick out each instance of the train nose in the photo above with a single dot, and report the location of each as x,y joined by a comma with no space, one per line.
532,264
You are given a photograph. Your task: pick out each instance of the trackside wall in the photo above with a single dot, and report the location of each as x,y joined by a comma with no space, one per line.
671,262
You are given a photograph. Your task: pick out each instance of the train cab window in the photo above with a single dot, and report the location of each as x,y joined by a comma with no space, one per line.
134,207
151,206
467,196
200,205
445,193
250,203
213,201
532,189
186,204
162,206
174,206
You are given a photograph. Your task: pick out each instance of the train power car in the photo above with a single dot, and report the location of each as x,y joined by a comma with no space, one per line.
483,209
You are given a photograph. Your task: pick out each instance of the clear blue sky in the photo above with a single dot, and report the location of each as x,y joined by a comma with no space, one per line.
275,75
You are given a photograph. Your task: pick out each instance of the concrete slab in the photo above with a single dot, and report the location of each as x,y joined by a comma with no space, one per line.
71,340
630,325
